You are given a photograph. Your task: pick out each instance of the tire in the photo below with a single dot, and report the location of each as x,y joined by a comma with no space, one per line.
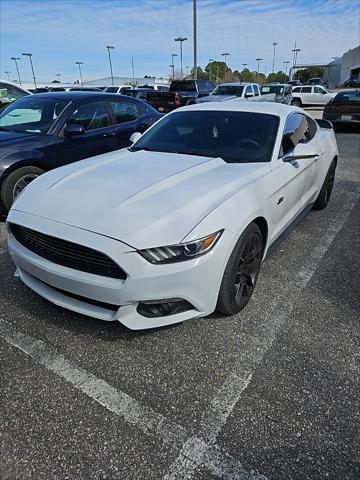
240,275
296,102
326,189
15,183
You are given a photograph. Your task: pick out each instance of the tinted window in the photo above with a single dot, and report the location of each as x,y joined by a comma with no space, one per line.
305,89
233,136
296,89
352,96
312,128
249,90
183,86
162,88
111,89
91,116
278,89
228,90
210,86
296,130
31,114
124,111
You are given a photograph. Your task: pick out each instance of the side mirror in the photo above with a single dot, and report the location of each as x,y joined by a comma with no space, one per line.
73,130
135,137
301,151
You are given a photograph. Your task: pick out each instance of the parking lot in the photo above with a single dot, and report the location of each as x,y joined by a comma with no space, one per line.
272,393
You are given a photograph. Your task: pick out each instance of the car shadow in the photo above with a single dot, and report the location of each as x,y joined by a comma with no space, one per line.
342,127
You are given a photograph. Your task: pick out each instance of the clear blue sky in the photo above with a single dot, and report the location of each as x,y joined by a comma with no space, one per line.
60,32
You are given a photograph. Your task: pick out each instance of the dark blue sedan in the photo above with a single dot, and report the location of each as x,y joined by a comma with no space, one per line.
44,131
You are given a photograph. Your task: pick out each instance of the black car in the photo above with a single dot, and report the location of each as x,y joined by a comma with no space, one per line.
44,131
345,107
353,81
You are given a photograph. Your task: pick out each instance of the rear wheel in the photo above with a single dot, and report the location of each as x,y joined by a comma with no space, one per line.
241,272
327,188
296,102
15,183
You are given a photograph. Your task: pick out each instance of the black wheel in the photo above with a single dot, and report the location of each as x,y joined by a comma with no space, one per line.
296,102
326,190
15,183
241,272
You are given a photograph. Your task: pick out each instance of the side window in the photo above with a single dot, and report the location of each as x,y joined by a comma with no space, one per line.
312,128
124,111
8,93
210,86
296,89
296,131
249,91
305,89
256,89
202,86
319,90
91,116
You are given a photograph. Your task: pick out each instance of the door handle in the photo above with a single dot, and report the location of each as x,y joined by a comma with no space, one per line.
110,134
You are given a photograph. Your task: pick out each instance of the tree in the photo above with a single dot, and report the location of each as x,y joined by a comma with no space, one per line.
310,72
201,74
277,77
217,70
247,76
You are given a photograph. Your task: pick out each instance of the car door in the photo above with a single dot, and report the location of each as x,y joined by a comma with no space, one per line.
307,97
128,117
292,181
97,138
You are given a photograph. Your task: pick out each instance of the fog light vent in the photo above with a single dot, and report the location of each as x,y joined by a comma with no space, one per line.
163,308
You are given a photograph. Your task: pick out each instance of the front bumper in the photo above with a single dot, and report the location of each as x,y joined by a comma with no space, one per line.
197,281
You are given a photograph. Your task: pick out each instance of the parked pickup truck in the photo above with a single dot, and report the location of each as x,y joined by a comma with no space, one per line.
235,92
179,94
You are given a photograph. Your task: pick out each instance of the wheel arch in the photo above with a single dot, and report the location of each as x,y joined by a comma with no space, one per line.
264,229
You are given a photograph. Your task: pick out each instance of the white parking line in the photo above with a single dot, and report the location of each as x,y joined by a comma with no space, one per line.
194,452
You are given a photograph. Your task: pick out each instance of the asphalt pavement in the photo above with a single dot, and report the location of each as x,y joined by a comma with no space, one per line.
272,393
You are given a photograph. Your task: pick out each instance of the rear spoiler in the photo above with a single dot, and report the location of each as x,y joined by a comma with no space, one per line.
324,123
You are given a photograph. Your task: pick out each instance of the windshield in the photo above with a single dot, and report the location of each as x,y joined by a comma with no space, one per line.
278,89
183,86
350,96
31,114
239,137
111,89
228,90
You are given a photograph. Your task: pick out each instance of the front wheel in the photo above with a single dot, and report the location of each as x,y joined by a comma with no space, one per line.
15,183
326,189
241,272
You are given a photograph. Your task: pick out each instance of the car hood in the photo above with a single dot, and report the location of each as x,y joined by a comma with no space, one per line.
141,198
215,98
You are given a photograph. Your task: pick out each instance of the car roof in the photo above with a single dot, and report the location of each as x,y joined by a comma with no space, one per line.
270,108
81,94
236,84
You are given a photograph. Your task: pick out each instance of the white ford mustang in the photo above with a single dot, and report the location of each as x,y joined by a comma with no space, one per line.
178,225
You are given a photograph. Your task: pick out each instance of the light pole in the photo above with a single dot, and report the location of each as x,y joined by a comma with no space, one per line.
79,64
273,66
173,70
32,66
258,66
225,55
58,75
181,40
210,69
244,65
173,63
8,74
132,66
110,47
286,65
295,53
195,39
16,59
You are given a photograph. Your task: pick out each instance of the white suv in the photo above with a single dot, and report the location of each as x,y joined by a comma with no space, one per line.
311,95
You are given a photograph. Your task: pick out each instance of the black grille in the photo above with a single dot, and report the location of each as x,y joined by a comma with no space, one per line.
67,253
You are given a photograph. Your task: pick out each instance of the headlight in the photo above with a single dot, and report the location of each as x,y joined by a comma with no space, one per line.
182,251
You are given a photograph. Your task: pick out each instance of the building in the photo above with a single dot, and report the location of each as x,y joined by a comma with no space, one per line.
341,68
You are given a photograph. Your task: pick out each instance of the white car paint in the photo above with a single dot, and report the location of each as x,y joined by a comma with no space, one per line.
312,94
124,201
